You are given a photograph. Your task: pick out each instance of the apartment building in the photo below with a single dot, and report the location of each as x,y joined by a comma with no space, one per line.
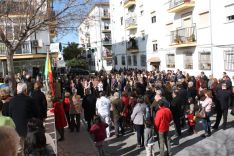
95,36
191,35
30,56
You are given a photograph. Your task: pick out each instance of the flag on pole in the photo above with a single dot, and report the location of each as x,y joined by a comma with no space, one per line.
48,74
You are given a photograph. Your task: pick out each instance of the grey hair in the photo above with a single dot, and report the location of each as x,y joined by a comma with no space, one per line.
21,88
190,84
158,92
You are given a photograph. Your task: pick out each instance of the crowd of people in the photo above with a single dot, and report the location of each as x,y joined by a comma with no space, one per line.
123,101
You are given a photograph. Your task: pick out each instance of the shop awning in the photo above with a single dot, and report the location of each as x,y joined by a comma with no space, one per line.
154,59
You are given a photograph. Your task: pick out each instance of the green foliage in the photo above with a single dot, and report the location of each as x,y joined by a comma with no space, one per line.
72,51
76,63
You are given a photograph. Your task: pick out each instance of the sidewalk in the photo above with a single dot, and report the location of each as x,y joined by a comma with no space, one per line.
220,143
76,144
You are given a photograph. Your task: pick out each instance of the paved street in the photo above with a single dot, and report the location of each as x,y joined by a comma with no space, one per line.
221,143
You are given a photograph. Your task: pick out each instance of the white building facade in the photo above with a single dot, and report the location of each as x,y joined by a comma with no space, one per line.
190,35
95,36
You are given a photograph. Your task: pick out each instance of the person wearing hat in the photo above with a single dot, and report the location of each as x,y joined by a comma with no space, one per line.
138,119
118,108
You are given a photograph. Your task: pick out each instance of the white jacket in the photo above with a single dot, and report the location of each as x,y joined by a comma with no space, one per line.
103,106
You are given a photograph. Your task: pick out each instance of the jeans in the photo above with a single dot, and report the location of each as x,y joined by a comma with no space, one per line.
140,134
148,133
207,123
164,139
75,122
106,119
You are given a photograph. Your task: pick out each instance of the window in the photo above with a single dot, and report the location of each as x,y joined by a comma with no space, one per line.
9,32
121,20
153,19
106,26
123,61
129,60
188,61
2,48
116,60
230,18
134,60
204,19
204,61
142,12
143,60
229,59
105,12
155,47
229,9
170,60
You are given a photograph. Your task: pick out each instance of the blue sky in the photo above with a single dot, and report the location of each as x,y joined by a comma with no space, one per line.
73,36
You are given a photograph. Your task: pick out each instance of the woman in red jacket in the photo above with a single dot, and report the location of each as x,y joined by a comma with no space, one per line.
60,120
125,102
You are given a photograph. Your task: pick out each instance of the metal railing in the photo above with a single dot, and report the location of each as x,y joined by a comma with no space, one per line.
131,21
184,35
25,48
106,42
175,3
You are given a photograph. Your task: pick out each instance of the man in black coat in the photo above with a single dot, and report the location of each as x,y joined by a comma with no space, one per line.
223,96
21,110
176,111
40,100
89,106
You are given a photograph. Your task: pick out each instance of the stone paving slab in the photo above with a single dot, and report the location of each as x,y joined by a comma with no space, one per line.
76,144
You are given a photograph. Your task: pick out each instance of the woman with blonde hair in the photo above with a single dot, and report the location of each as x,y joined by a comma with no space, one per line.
206,105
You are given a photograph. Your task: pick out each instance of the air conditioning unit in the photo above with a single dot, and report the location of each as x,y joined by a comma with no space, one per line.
37,43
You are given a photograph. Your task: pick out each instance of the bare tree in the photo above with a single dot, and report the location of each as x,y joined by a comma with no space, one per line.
19,19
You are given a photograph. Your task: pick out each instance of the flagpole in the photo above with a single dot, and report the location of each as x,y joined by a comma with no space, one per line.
46,79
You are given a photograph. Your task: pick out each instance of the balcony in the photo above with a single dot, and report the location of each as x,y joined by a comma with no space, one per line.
25,48
177,6
106,30
184,37
105,16
131,23
106,42
129,3
52,32
107,55
132,46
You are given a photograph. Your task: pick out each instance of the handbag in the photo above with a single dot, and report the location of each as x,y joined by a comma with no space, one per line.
201,113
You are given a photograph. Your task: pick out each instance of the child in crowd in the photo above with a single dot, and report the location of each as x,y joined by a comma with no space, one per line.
60,120
98,132
66,106
191,118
